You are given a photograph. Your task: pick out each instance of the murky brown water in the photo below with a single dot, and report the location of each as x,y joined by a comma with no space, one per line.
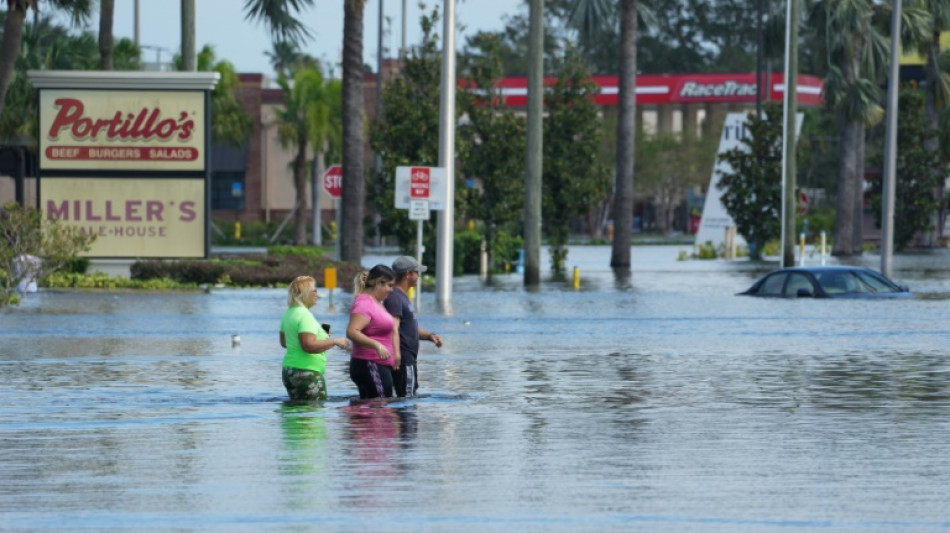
659,403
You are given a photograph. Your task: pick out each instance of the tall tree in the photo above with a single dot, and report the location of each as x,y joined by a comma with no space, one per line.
574,178
106,45
354,188
407,133
919,171
309,121
937,84
78,10
753,186
587,15
852,35
493,145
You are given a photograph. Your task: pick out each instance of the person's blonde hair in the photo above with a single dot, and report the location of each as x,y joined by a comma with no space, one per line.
372,277
300,288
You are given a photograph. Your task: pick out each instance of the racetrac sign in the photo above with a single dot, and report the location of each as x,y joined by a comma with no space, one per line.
145,130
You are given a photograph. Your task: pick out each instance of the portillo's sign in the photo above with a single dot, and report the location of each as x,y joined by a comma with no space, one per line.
122,130
124,156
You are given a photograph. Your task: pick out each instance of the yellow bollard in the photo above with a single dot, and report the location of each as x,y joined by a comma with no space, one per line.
329,281
801,248
237,230
577,278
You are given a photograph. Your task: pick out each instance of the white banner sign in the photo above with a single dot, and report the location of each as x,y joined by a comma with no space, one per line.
715,219
437,192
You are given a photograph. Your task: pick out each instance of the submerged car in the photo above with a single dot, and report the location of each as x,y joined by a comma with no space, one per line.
827,282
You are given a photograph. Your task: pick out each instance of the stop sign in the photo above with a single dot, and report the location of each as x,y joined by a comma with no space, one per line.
802,202
333,181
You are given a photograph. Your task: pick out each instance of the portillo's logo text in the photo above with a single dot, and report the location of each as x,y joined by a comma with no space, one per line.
143,125
724,89
146,124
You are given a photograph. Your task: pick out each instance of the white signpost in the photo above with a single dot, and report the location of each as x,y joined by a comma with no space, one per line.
333,184
420,189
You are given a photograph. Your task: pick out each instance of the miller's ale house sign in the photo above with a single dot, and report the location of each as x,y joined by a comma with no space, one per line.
148,130
124,156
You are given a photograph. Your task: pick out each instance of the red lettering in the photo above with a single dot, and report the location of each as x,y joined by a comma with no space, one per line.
109,214
70,110
60,212
89,214
153,210
132,210
146,123
187,211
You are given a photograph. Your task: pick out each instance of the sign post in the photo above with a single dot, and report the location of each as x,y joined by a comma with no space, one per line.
333,184
420,189
420,181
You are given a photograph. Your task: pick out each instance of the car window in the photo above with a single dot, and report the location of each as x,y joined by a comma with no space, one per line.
797,281
875,283
836,282
773,284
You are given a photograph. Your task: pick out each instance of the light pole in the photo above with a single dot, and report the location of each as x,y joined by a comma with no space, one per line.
890,146
446,230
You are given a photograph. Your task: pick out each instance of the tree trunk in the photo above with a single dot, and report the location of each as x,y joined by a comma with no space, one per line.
932,144
351,208
106,12
300,187
12,38
844,219
626,130
857,224
535,142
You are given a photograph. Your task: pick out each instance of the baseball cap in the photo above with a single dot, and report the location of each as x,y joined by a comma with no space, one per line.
404,263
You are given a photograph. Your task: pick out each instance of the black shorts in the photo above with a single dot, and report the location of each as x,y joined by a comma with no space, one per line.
372,379
406,379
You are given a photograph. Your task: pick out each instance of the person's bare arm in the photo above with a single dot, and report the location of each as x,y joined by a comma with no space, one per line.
283,340
397,351
430,336
311,344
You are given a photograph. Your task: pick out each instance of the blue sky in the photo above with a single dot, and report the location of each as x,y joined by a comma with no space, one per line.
221,23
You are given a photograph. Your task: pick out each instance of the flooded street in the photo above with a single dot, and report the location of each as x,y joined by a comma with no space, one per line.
662,402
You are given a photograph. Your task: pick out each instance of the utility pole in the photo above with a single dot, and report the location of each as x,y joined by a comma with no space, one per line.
532,197
790,130
758,59
890,146
446,233
189,59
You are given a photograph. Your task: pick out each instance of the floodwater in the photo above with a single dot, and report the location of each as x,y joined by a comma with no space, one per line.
661,402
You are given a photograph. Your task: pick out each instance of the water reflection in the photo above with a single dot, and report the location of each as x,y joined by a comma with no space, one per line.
674,404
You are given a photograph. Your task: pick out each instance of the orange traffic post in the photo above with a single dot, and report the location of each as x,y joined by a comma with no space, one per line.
329,282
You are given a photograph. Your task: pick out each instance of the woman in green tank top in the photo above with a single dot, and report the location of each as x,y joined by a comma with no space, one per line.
306,342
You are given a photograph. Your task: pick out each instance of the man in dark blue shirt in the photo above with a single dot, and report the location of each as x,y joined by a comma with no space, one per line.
406,378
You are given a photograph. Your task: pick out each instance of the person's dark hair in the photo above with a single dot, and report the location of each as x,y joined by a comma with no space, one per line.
372,277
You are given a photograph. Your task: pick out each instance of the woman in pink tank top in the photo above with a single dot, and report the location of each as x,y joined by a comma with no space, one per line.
371,330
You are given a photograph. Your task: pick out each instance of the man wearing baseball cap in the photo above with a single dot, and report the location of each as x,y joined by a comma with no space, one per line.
406,379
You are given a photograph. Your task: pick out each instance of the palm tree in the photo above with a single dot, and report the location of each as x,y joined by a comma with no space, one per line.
937,88
78,10
857,50
354,188
309,120
586,16
106,12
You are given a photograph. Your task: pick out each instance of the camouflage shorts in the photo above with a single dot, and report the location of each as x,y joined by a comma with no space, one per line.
303,384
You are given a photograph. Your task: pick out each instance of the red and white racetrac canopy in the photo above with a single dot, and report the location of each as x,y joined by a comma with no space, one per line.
681,89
